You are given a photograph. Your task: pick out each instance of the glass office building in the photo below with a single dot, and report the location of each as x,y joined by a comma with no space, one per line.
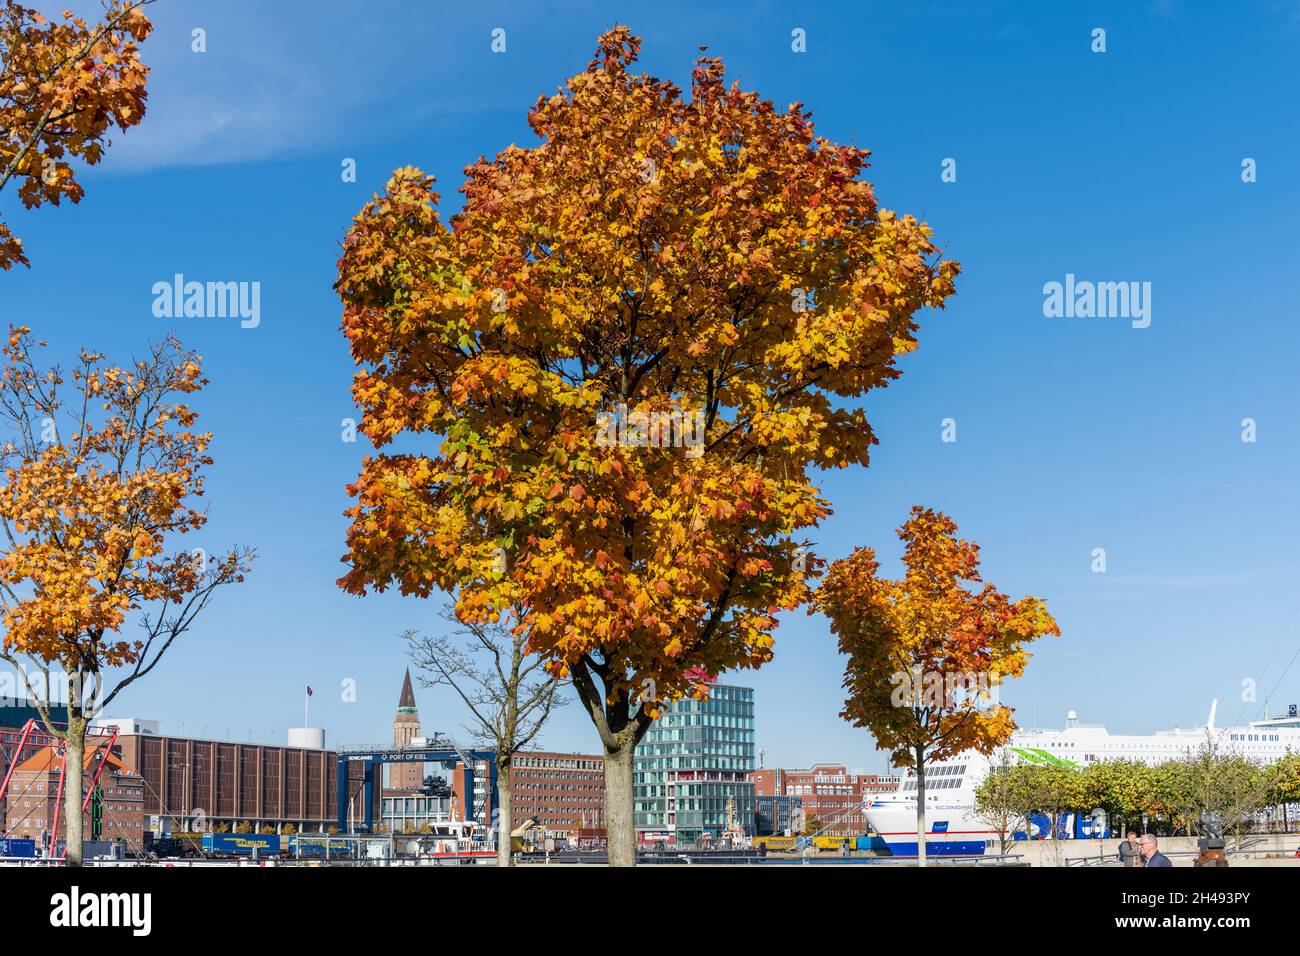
692,761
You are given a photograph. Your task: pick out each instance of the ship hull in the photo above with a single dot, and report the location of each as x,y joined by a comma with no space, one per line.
950,830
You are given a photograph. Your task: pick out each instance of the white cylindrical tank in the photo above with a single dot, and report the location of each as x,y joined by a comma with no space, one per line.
308,738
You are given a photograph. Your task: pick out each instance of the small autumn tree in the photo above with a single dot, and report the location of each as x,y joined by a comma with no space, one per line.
509,693
63,86
1057,791
1285,779
1127,791
1022,792
635,341
927,653
99,476
998,803
1211,780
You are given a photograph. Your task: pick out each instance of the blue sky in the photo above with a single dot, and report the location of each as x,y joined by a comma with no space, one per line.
1072,433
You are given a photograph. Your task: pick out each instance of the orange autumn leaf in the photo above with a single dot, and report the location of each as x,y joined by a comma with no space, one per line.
64,84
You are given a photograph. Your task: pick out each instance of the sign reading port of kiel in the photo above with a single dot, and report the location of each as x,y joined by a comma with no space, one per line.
361,788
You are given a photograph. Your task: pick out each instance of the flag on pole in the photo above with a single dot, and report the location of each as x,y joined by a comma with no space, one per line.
309,690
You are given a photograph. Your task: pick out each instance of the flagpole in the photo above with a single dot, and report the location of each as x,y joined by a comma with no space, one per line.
305,698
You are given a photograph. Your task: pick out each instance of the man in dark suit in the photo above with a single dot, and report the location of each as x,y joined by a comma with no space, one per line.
1150,850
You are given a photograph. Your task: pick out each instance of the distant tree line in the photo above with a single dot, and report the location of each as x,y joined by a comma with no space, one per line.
1172,796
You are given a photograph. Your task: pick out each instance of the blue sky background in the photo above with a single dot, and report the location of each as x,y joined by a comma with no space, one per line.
1073,434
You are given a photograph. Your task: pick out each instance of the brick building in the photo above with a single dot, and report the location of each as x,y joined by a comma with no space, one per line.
34,789
565,793
829,793
14,715
186,783
233,783
224,785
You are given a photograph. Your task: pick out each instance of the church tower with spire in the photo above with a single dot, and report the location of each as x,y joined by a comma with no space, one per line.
406,726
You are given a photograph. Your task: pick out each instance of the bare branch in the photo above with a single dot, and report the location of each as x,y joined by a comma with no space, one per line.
508,710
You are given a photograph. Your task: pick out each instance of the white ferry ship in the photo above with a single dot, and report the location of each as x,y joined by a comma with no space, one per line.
951,828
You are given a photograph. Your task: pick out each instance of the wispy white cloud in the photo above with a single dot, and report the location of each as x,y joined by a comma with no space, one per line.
292,76
288,77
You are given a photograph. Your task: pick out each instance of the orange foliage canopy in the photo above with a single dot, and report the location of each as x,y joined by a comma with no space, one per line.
926,653
93,487
709,255
63,86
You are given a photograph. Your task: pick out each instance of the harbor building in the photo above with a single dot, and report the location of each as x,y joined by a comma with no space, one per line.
777,816
114,814
830,794
232,786
691,772
563,792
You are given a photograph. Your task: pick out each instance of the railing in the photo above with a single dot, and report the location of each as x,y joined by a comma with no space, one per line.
1250,850
582,858
1108,860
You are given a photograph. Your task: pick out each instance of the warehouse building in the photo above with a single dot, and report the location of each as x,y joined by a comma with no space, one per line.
230,786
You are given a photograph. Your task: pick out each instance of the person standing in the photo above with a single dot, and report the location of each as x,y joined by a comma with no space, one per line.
1150,850
1128,850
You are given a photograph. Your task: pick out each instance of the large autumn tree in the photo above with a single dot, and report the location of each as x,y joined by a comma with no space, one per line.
64,85
637,341
100,475
927,653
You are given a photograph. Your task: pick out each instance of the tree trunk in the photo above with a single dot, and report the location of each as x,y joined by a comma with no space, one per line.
920,806
505,820
620,821
75,751
621,729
